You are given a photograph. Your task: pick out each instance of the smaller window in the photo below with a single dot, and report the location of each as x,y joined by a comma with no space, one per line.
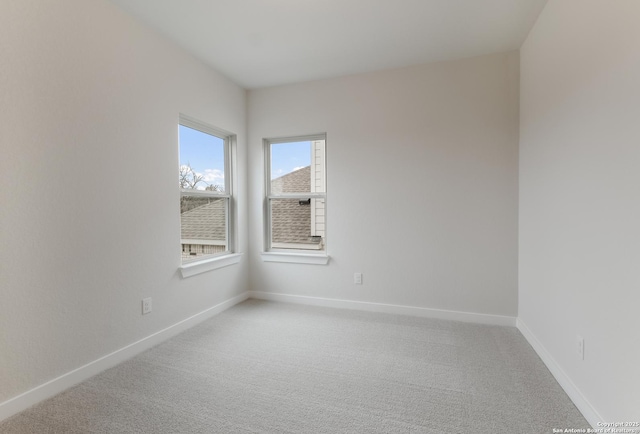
205,190
295,212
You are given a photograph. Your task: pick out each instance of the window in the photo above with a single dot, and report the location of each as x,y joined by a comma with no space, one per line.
296,194
205,190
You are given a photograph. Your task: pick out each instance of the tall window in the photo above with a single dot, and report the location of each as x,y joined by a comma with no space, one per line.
296,194
205,190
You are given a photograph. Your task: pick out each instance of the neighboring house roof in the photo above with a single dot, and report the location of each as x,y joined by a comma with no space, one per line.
205,222
291,221
297,181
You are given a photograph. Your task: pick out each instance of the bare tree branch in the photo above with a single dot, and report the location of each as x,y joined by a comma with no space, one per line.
188,177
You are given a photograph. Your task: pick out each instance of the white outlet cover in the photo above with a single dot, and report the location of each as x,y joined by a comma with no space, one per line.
146,305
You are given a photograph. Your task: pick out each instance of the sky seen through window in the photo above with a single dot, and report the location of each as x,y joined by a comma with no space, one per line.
204,153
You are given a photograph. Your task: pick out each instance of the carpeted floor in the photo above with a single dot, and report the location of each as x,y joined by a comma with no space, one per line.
284,368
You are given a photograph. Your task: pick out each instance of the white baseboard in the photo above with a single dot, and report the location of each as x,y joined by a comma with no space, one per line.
580,401
477,318
65,381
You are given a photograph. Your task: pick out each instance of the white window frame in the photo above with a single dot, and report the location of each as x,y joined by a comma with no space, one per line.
302,256
228,257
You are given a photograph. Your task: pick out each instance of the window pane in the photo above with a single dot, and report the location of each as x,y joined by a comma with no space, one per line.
201,160
295,223
297,167
203,226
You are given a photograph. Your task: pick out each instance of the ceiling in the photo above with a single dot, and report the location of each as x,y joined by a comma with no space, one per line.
259,43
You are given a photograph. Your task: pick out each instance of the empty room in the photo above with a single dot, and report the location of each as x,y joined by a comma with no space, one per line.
286,216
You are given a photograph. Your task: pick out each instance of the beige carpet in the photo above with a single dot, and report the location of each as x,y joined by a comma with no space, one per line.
280,368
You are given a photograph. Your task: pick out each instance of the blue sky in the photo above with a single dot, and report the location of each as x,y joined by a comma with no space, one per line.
287,157
205,154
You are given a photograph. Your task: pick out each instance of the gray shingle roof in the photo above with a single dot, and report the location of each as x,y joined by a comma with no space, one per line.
291,222
205,222
298,181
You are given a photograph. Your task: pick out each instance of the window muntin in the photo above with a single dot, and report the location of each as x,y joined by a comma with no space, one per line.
205,190
296,194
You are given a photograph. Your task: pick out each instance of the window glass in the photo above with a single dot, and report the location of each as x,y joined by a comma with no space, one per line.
296,211
203,177
201,160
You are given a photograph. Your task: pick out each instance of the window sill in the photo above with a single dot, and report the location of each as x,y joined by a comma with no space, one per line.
193,268
295,258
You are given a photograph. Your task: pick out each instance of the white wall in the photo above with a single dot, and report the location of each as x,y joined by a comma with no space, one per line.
579,197
89,213
421,186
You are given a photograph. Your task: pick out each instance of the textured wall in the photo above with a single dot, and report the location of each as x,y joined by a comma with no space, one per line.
421,186
579,208
89,213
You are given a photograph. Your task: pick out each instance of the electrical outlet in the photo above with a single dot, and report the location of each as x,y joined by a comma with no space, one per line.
146,305
357,278
580,346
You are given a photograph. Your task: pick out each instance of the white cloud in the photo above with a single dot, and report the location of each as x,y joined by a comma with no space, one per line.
213,176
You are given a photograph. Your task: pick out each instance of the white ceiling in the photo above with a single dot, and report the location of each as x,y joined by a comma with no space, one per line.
260,43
